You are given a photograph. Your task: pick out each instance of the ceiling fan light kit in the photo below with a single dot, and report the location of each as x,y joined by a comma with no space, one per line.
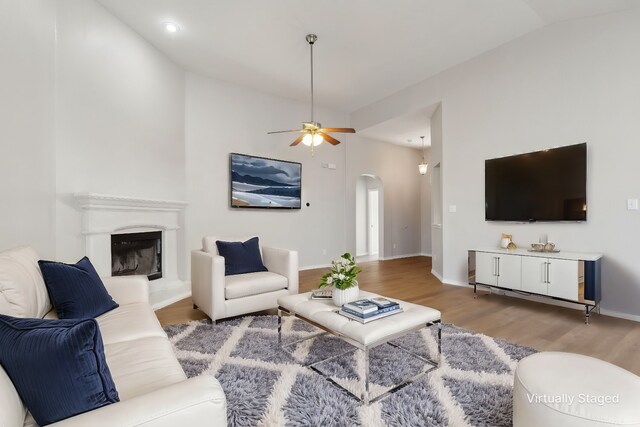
315,140
313,134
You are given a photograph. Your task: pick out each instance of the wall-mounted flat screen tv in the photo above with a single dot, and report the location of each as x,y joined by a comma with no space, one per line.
258,182
548,185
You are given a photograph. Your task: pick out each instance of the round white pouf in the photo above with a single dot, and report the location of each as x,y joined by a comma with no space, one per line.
565,389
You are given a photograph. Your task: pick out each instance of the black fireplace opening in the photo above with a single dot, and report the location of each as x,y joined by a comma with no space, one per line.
137,254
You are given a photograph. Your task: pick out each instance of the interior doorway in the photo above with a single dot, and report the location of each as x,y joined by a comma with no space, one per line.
372,222
369,218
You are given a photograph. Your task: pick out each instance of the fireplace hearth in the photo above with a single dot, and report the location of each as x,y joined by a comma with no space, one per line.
137,254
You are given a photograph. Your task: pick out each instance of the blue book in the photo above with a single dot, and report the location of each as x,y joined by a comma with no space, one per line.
373,313
362,306
383,302
371,318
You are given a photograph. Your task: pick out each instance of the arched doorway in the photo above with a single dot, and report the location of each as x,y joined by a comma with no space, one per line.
369,218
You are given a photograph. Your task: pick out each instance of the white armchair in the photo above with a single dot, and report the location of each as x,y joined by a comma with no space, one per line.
220,296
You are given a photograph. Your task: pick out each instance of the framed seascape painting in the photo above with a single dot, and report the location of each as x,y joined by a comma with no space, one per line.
259,182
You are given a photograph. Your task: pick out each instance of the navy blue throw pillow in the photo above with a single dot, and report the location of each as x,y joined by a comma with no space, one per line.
76,290
58,367
240,258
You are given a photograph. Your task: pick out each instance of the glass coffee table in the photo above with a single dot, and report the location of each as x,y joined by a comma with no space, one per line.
323,314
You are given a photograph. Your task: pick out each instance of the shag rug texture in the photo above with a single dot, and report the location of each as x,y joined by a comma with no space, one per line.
266,385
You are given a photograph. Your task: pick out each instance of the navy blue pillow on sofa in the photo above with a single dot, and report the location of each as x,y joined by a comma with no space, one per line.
58,367
76,290
241,257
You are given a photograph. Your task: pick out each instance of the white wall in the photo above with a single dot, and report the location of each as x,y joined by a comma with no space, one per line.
27,175
362,247
571,82
397,167
437,232
425,206
119,117
87,105
222,118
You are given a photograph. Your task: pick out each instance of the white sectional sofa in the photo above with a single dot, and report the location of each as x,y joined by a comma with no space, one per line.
153,388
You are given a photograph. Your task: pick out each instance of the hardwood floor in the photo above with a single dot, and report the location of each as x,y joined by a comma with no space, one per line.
538,325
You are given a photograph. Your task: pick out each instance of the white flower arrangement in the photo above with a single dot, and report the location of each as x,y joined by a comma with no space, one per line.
343,273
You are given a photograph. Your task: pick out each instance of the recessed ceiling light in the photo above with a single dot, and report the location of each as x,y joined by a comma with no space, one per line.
171,27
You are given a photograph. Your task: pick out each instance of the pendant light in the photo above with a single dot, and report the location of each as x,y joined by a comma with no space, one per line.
423,166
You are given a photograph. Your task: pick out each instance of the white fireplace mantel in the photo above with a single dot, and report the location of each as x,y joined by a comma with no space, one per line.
104,215
105,201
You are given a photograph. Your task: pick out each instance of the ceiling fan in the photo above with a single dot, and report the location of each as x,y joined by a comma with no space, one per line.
312,132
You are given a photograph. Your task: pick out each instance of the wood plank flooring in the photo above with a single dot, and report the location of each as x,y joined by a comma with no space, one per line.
538,325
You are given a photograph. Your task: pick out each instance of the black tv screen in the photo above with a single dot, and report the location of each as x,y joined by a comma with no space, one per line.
258,182
548,185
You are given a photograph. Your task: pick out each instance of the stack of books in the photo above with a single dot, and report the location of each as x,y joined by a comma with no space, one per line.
368,310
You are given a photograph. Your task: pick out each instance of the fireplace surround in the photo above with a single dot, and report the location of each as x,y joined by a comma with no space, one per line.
107,218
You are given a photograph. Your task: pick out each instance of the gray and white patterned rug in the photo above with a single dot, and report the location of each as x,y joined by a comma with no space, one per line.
267,386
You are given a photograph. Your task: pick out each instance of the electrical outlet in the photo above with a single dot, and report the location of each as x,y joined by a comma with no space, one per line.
453,208
324,252
632,204
395,246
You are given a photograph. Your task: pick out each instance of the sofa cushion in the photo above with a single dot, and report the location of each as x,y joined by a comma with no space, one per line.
76,290
22,290
11,407
67,373
130,322
126,323
241,257
141,366
244,285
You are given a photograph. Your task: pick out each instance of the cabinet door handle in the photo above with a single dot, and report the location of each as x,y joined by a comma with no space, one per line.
548,271
498,260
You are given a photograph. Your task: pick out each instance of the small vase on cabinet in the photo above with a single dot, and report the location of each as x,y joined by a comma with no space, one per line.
344,296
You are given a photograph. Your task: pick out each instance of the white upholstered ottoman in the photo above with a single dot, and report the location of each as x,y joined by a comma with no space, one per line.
323,314
565,389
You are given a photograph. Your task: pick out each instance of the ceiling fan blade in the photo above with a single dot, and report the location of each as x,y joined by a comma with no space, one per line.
297,141
331,140
339,130
285,131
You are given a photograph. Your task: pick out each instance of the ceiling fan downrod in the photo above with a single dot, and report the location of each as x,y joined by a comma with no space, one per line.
311,39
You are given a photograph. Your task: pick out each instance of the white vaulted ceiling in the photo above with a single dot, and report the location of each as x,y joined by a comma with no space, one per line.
404,130
366,49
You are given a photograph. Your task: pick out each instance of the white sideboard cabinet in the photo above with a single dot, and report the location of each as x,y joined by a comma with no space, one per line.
566,276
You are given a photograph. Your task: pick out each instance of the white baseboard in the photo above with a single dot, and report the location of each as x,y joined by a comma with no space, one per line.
313,267
454,282
425,254
620,315
400,256
438,276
